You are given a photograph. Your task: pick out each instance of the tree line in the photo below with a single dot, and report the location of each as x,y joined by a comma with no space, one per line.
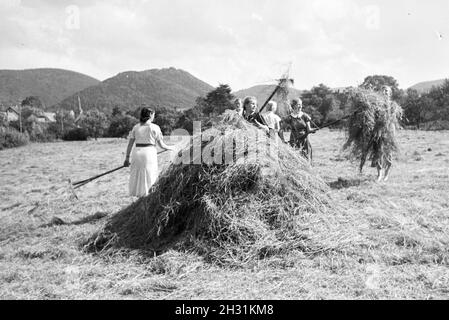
428,110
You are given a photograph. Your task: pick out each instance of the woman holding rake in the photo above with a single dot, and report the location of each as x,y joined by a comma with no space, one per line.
299,123
144,166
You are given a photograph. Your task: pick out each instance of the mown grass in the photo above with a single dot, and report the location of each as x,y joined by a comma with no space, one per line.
401,252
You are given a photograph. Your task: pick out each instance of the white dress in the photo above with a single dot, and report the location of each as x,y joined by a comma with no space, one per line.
272,120
144,167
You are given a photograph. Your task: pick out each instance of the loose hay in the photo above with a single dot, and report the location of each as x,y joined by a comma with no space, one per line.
256,207
372,127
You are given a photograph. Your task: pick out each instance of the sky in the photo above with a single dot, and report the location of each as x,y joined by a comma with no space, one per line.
237,42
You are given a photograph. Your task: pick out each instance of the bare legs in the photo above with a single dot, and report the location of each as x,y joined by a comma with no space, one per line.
379,172
381,166
362,161
386,168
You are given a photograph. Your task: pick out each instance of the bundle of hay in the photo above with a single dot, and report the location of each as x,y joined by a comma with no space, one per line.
372,127
259,205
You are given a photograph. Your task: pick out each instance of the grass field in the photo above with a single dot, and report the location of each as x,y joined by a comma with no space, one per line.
402,251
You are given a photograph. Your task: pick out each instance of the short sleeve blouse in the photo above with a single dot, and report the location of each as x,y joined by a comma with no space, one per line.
297,124
148,133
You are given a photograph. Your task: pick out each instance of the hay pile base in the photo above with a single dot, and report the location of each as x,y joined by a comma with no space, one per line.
229,213
372,127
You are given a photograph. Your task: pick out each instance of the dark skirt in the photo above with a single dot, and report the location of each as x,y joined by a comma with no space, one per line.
304,145
380,157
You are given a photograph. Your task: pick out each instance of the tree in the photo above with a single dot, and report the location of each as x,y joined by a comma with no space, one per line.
3,121
413,106
121,125
27,111
427,107
94,122
117,111
218,100
185,121
65,121
166,119
316,116
336,112
377,81
440,101
322,99
33,102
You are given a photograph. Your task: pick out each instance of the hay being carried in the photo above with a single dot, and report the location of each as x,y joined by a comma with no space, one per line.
372,128
259,205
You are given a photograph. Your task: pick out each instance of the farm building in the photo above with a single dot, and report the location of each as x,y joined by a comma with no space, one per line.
10,113
46,117
341,89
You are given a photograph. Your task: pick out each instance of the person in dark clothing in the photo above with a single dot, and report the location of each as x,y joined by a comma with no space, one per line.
251,115
298,123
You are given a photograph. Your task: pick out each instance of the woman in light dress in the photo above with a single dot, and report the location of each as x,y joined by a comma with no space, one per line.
238,105
272,120
144,167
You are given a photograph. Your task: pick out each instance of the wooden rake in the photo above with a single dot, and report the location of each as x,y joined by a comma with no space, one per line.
79,184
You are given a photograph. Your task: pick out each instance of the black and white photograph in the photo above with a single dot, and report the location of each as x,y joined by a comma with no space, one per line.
221,150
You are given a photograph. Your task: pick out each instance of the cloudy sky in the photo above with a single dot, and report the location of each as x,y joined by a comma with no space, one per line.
238,42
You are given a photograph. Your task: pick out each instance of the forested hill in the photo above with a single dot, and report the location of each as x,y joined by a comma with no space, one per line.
172,88
424,87
50,85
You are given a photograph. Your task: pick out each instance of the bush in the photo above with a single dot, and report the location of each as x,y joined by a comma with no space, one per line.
37,132
76,134
95,123
121,125
40,133
10,138
436,125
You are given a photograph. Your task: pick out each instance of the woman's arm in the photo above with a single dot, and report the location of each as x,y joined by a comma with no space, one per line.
128,151
308,121
309,127
262,126
163,145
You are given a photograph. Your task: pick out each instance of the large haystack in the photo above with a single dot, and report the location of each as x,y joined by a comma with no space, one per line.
260,205
372,127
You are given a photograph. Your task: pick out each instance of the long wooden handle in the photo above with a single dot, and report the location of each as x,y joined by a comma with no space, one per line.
99,176
83,182
334,122
268,100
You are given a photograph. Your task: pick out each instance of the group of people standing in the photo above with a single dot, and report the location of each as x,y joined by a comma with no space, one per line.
146,136
298,123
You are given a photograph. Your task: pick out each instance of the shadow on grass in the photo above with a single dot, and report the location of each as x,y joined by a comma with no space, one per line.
342,183
59,222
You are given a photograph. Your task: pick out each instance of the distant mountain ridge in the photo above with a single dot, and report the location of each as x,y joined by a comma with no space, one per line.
50,85
169,87
262,92
426,86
